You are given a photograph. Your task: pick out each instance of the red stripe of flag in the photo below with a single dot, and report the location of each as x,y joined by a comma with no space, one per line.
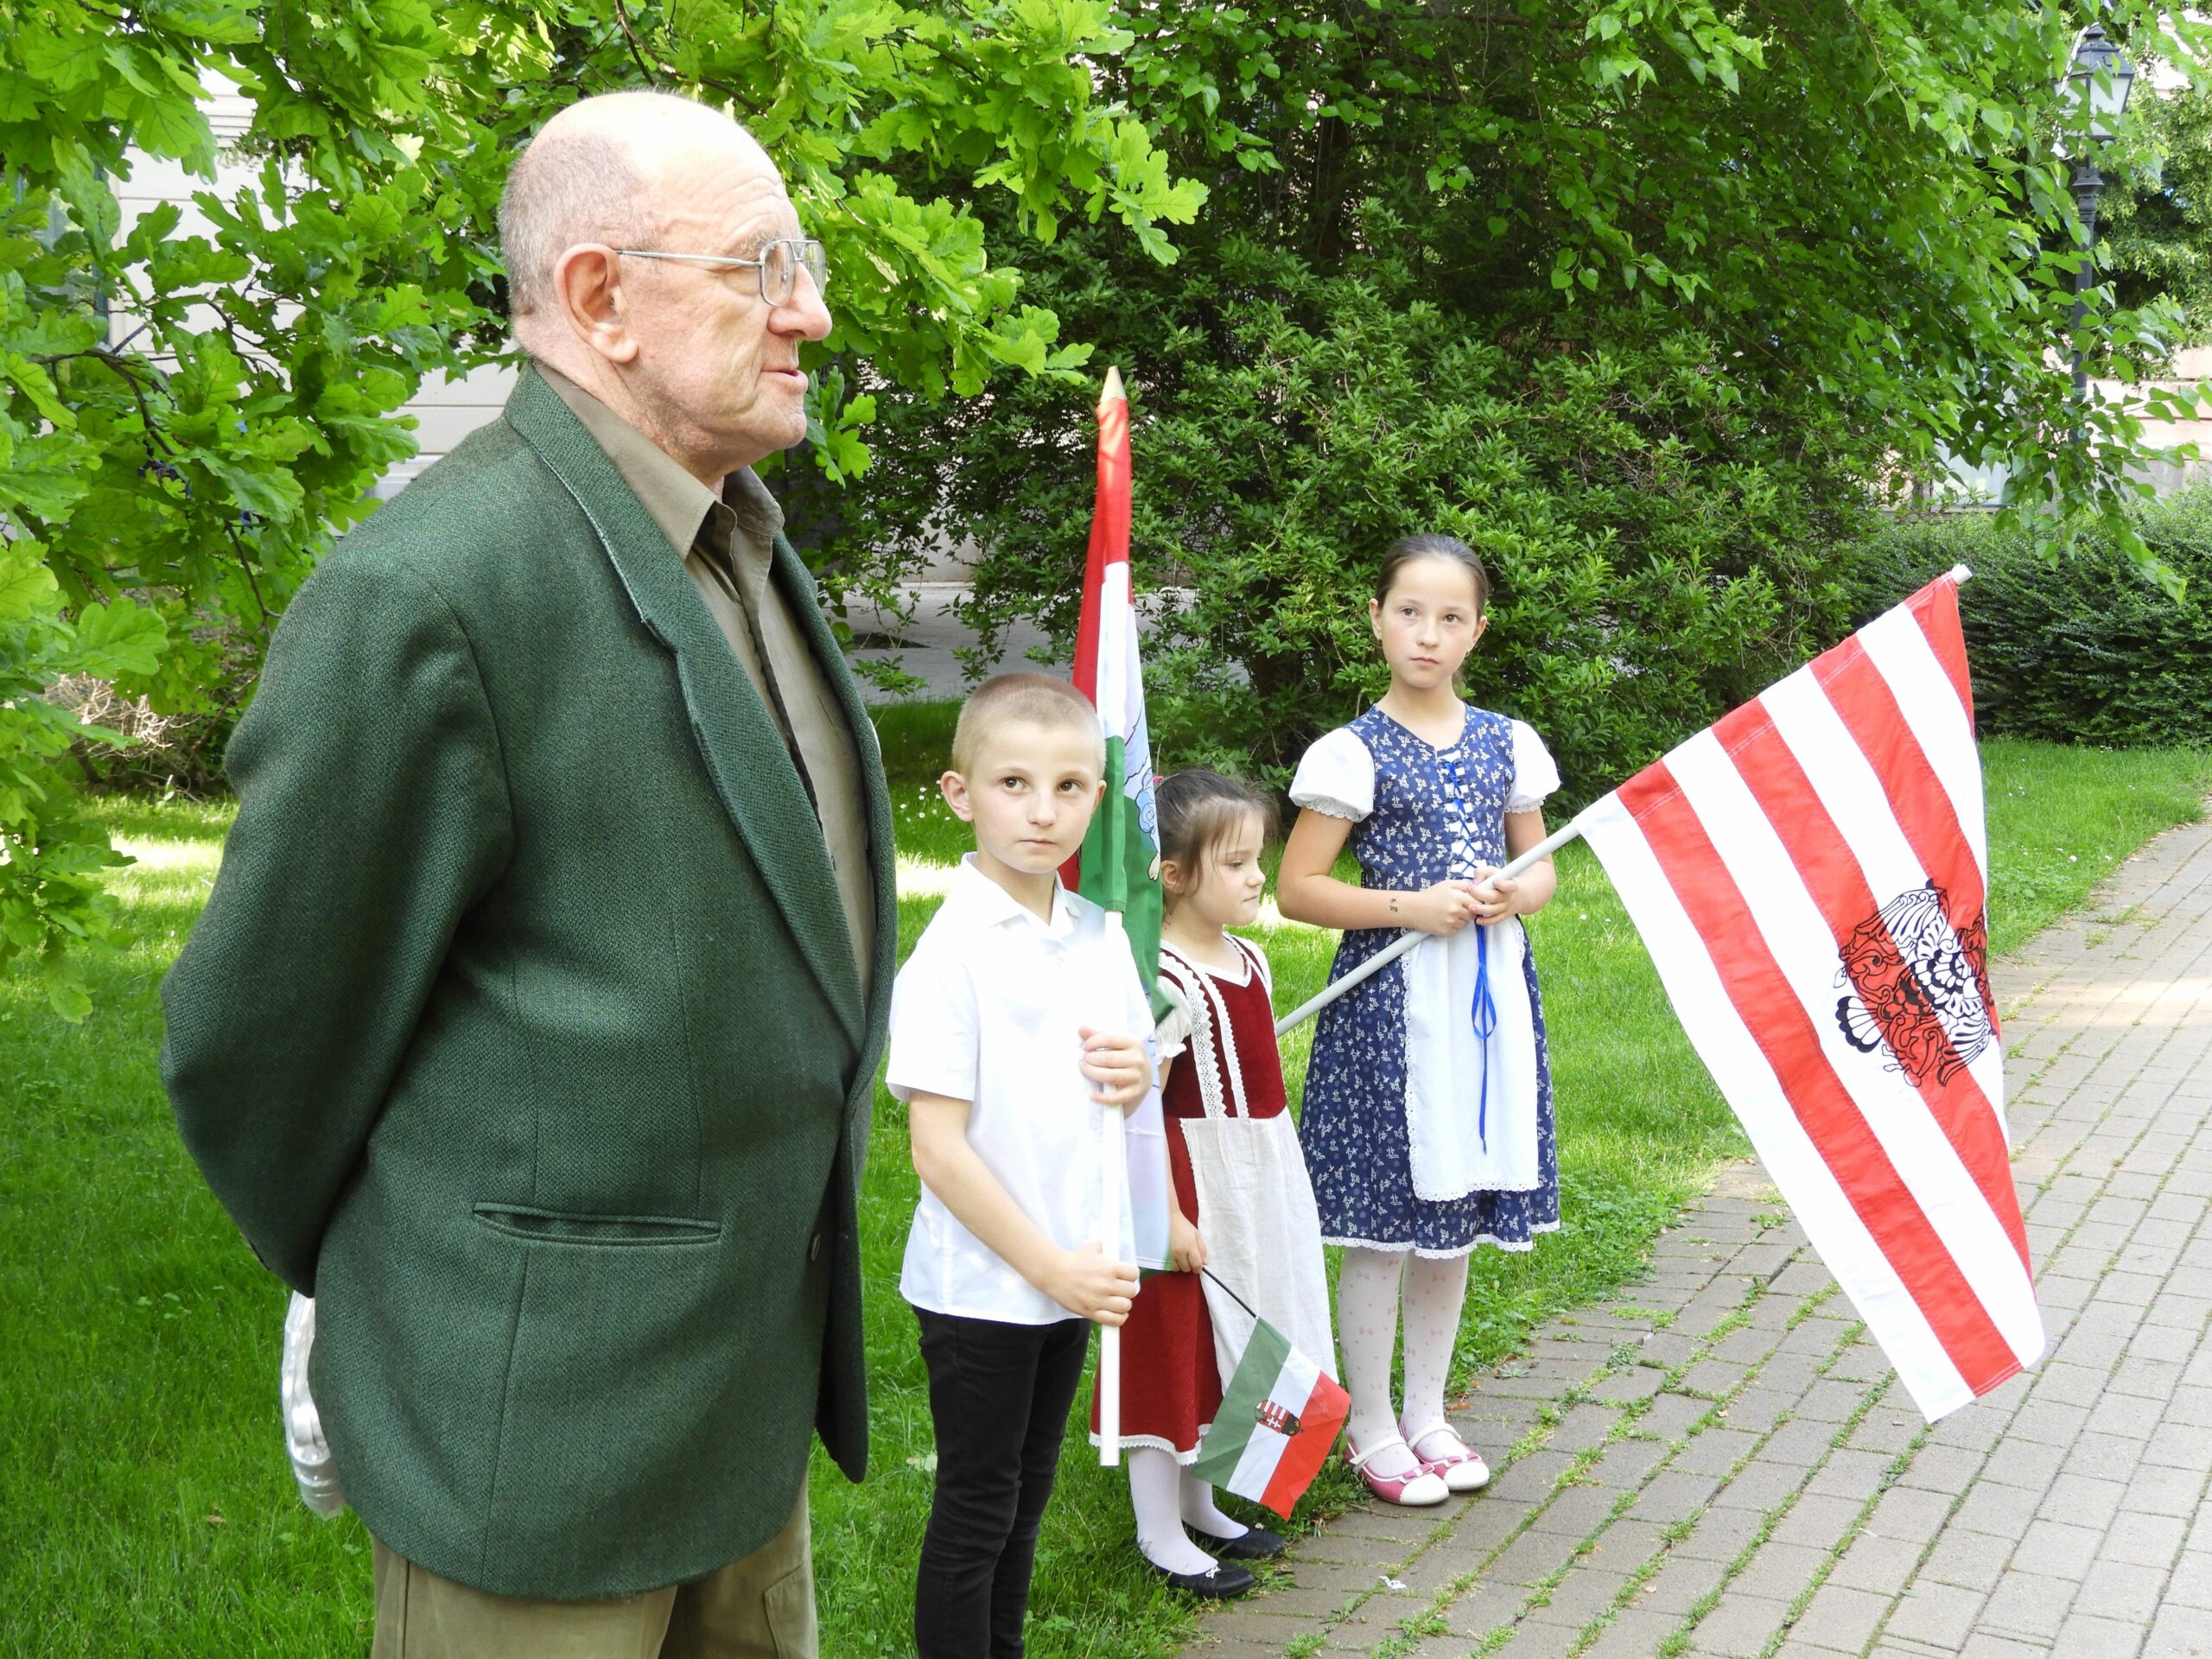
1319,1420
1869,709
1835,882
1936,608
1777,1022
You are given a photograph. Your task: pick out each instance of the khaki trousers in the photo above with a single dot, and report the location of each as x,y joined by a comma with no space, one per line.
760,1607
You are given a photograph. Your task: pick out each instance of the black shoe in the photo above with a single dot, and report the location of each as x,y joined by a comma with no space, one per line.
1253,1544
1218,1582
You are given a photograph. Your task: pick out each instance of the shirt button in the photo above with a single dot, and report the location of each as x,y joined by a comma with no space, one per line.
813,1249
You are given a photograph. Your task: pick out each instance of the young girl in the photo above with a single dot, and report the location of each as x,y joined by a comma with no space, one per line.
1244,1207
1428,1103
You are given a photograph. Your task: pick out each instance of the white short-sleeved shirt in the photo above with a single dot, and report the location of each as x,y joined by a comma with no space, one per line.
1337,777
988,1010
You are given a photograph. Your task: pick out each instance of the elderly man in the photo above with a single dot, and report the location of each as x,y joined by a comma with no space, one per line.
532,1024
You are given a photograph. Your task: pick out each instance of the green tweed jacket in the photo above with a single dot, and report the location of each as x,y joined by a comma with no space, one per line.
523,1029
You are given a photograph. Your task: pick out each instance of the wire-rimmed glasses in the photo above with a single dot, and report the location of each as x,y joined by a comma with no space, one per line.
779,263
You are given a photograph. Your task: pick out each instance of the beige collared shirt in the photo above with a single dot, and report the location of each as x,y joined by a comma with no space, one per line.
728,544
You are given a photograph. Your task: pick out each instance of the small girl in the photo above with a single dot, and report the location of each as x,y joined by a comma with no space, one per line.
1244,1208
1428,1124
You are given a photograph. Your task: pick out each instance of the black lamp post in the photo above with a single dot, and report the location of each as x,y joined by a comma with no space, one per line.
2100,78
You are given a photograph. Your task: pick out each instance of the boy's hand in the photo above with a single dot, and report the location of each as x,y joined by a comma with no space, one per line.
1443,909
1085,1282
1495,896
1184,1248
1115,1063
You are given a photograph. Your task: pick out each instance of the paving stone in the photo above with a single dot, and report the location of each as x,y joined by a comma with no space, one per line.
1740,1627
2057,1549
1634,1633
2031,1604
2092,1638
1850,1474
1637,1383
1576,1513
2081,1501
1778,1570
1669,1416
1716,1451
2143,1540
1939,1616
1971,1560
1585,1592
1819,1521
2191,1585
1680,1583
1672,1495
1720,1536
2023,1465
1840,1617
2179,1633
1801,1443
1760,1487
1874,1562
2121,1590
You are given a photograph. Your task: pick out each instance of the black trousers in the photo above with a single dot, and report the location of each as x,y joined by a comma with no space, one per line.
999,1395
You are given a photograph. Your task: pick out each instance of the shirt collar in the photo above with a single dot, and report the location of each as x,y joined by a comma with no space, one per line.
675,500
989,905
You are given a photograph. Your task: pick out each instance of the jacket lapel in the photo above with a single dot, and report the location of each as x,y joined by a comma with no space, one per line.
745,755
797,583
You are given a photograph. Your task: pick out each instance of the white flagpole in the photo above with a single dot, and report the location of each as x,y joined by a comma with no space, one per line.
1412,937
1111,1169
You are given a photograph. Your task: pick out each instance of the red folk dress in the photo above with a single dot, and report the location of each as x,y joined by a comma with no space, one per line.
1171,1382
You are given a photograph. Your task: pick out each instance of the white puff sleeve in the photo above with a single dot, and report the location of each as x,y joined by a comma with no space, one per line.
1337,777
1534,773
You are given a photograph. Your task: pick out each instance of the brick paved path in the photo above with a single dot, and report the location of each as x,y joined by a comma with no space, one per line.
1720,1463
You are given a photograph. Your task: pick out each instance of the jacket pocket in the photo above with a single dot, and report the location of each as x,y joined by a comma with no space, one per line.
571,1227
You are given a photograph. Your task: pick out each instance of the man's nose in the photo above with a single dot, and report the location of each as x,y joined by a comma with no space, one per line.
803,315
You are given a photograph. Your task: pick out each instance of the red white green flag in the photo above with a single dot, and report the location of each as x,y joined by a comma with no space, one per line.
1277,1421
1119,865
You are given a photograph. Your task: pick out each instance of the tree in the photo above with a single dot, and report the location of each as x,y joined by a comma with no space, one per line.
187,421
1651,301
2157,236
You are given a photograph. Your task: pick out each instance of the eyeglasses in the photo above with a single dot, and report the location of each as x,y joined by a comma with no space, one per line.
779,264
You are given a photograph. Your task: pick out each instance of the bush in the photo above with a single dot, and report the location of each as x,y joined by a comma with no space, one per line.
2082,650
1661,545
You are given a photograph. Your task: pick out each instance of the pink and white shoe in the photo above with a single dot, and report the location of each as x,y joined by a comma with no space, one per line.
1462,1467
1418,1488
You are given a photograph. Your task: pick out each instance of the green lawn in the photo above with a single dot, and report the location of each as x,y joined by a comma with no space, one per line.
145,1506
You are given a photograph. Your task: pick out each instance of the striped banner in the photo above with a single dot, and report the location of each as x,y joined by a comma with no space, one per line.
1810,876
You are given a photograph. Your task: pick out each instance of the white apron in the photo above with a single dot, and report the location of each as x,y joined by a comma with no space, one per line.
1255,1212
1465,1138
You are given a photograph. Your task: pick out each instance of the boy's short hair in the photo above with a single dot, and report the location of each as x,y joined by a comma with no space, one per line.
1013,699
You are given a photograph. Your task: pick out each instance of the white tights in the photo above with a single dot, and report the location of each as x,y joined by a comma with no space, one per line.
1166,1500
1435,1290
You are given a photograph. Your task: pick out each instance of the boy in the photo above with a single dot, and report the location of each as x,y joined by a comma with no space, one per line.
1015,1022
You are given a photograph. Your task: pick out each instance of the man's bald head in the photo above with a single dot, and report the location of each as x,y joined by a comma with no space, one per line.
590,176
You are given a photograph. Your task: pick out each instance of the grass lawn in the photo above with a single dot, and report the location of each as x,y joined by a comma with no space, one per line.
145,1505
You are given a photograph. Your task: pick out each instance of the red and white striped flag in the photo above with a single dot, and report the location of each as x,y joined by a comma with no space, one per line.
1810,876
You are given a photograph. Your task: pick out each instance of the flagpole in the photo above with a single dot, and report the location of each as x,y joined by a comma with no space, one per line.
1113,1155
1412,937
1406,941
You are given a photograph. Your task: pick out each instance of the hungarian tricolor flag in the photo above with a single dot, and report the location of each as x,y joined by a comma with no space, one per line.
1810,876
1278,1418
1119,865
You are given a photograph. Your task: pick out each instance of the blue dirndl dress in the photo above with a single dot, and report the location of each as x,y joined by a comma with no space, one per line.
1436,814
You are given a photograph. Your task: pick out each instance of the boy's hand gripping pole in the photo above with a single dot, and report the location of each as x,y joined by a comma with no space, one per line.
1412,937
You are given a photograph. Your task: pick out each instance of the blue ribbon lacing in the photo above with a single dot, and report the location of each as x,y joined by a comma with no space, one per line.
1484,1014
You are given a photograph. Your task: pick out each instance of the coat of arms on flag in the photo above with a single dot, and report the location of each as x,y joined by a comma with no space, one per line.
1279,1417
1810,877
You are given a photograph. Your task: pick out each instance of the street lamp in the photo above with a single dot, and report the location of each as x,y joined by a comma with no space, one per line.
2098,78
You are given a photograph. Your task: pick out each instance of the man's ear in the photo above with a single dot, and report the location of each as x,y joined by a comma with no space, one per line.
589,294
954,788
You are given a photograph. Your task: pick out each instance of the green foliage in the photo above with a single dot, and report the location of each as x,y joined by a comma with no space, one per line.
1641,297
187,421
2083,650
2156,237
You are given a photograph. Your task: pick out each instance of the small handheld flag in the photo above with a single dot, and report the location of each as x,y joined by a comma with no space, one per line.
1279,1417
